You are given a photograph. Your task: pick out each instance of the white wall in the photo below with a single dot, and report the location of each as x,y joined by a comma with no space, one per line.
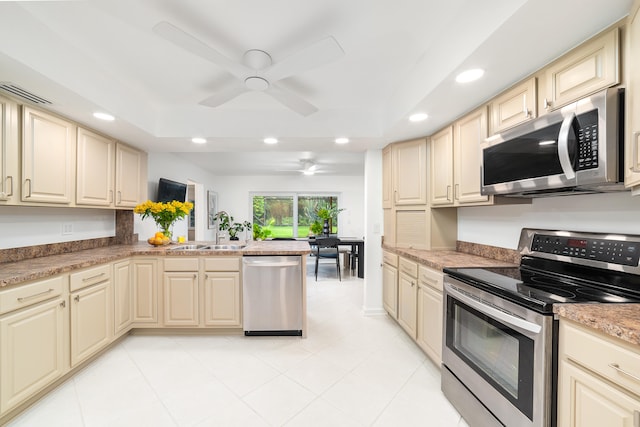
373,219
500,225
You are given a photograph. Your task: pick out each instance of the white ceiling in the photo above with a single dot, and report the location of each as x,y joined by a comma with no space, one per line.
399,57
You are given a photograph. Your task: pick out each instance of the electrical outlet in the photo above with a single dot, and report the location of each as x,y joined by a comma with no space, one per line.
67,229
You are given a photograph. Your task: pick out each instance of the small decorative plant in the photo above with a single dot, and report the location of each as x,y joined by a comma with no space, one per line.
328,215
260,233
316,227
225,223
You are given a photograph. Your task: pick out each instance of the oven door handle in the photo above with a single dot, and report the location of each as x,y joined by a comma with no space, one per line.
508,319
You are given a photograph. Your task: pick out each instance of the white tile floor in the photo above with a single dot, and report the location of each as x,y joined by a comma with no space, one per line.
352,370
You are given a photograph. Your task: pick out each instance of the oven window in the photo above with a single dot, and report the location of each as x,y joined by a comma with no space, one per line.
501,355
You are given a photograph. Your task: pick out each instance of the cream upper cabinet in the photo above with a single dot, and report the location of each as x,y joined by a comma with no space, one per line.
430,312
632,146
9,146
387,178
408,296
410,172
468,133
513,107
145,291
390,283
131,176
592,66
598,379
222,292
441,167
95,169
48,158
122,297
34,339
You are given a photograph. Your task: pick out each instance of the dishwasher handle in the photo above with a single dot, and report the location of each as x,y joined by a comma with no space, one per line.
257,263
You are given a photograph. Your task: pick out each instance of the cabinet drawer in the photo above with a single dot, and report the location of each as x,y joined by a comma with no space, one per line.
389,258
408,267
26,295
429,277
89,277
222,264
181,264
602,354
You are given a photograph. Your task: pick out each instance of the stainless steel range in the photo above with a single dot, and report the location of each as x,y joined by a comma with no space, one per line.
500,336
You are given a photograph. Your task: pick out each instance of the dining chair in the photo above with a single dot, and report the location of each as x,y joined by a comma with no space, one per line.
327,247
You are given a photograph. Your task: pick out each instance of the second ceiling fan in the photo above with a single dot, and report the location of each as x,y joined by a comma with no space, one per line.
257,71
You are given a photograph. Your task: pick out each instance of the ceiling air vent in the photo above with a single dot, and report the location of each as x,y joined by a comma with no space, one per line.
24,94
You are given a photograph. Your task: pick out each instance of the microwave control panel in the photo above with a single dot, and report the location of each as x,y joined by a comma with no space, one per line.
587,139
622,252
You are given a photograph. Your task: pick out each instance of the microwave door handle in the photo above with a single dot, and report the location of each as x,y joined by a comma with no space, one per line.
563,147
508,319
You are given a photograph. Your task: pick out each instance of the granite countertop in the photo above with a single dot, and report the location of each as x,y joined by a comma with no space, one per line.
452,259
618,320
15,273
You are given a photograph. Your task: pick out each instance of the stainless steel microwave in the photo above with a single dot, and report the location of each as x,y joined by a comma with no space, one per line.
575,149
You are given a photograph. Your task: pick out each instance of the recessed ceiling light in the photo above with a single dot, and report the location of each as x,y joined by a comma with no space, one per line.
342,140
198,140
469,75
418,117
270,141
104,116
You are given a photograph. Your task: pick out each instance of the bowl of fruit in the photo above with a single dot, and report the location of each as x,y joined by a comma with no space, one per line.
159,239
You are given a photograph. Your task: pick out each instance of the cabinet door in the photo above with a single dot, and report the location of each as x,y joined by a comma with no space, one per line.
632,147
441,170
429,332
122,297
145,295
8,151
387,182
584,400
48,158
222,299
587,69
407,303
95,169
131,176
469,132
91,321
390,290
180,296
513,107
410,172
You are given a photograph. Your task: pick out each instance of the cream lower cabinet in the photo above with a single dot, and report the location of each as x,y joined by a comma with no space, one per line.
122,297
598,379
145,291
390,283
34,339
430,312
180,292
9,149
91,303
407,295
222,297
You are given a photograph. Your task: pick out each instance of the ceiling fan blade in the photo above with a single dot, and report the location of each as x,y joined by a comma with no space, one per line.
224,95
190,43
291,100
319,53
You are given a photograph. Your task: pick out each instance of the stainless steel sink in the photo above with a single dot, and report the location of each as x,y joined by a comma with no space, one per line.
189,248
224,247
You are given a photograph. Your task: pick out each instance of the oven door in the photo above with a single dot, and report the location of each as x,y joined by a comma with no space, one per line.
501,352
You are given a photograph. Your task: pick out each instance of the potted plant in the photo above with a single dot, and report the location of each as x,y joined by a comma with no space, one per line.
225,223
260,233
315,228
164,215
328,215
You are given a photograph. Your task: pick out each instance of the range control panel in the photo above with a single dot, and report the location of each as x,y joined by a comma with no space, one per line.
605,250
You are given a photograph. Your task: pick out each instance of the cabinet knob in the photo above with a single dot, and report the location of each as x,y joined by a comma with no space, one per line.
63,304
77,298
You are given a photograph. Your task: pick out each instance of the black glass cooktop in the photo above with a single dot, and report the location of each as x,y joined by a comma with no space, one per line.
539,284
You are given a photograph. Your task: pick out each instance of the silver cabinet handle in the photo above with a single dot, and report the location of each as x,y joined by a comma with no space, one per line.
563,147
21,299
119,200
9,177
623,372
456,192
110,196
28,181
86,279
634,152
547,104
448,188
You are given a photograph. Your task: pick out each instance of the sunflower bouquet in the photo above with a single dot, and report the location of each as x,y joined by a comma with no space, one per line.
164,214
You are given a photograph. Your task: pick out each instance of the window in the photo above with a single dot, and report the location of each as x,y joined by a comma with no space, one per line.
291,215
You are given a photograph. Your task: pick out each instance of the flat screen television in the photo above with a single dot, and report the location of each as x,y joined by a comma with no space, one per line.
171,190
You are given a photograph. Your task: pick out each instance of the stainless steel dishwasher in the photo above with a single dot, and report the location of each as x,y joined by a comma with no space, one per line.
272,295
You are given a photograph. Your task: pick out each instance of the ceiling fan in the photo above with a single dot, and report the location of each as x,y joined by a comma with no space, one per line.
257,71
306,167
